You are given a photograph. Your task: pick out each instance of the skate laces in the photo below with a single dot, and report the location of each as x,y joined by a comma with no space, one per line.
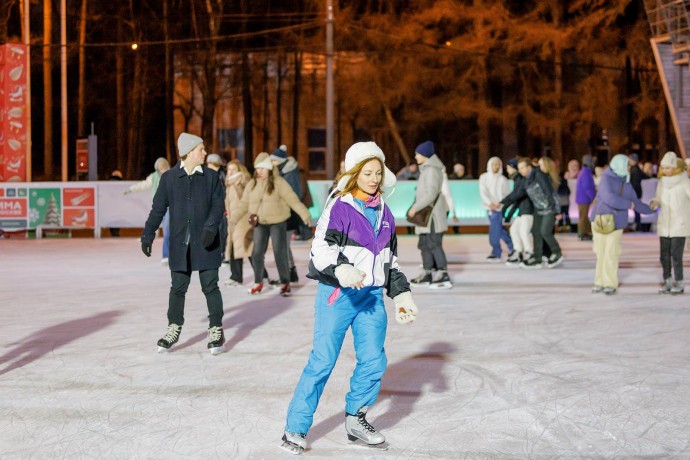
363,422
173,332
214,333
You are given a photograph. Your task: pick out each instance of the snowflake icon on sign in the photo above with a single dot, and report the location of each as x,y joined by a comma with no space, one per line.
41,201
34,215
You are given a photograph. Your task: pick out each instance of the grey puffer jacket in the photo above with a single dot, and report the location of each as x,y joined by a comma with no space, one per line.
428,190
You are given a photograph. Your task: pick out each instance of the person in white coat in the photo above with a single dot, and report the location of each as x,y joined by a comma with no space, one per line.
493,187
429,193
673,224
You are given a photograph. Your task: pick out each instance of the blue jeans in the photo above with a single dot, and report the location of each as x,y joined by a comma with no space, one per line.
166,234
497,233
363,310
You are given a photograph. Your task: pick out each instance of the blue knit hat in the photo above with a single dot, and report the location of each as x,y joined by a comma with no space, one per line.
280,153
426,149
513,163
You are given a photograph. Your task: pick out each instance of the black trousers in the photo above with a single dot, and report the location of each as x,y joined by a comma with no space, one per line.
236,272
278,235
542,232
209,286
671,255
431,247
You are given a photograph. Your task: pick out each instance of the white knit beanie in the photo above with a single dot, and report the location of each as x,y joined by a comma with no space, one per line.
262,160
365,151
186,143
670,159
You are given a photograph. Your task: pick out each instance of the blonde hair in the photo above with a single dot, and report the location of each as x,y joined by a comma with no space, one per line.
351,184
551,171
240,168
681,166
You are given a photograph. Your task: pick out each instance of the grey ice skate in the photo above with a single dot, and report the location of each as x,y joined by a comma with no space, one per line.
358,428
295,443
172,335
678,288
666,287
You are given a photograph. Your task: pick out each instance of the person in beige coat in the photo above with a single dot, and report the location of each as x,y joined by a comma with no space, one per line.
673,224
267,199
239,244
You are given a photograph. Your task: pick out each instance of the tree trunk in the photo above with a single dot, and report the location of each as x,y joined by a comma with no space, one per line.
169,77
47,90
296,91
279,98
134,112
248,112
121,116
395,132
266,110
82,63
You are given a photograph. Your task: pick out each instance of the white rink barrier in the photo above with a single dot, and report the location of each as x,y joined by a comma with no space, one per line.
102,204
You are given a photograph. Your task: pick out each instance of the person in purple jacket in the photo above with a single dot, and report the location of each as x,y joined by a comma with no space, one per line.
585,191
353,257
615,197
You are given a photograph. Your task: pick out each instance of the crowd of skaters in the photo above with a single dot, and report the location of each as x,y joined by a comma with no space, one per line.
354,257
534,207
538,203
272,204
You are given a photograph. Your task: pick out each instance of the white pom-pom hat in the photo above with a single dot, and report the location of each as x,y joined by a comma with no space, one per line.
365,151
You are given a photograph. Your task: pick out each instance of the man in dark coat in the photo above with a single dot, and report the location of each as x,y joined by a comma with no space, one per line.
194,196
636,178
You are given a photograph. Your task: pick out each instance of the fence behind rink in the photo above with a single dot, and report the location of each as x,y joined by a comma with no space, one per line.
102,204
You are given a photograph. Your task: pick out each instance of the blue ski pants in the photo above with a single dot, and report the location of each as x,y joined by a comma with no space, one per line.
336,312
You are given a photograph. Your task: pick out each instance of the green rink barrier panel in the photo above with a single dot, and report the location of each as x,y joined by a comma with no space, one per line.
103,204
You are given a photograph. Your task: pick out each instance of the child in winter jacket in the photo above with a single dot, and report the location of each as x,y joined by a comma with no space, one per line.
673,224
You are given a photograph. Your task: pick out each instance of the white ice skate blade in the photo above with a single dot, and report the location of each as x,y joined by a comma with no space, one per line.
163,349
292,448
217,350
444,285
359,443
420,284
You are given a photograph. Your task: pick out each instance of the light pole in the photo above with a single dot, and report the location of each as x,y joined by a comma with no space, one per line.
329,92
27,41
63,87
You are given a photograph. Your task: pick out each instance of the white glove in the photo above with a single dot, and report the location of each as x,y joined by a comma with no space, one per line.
405,309
349,276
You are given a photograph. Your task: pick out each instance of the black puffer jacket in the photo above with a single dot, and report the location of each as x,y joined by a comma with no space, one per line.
539,189
517,200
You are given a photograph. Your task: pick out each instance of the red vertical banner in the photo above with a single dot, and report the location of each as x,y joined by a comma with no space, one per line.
14,114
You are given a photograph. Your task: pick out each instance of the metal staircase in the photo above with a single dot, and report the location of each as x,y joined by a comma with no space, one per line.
670,23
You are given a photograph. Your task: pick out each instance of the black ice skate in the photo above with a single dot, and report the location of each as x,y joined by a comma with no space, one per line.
441,280
424,279
295,443
216,340
172,335
358,429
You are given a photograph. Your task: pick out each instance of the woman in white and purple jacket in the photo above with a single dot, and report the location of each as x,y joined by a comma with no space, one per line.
353,257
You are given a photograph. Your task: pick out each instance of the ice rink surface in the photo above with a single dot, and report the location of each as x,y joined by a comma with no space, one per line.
509,363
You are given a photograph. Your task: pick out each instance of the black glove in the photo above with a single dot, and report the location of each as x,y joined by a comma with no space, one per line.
146,249
207,237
